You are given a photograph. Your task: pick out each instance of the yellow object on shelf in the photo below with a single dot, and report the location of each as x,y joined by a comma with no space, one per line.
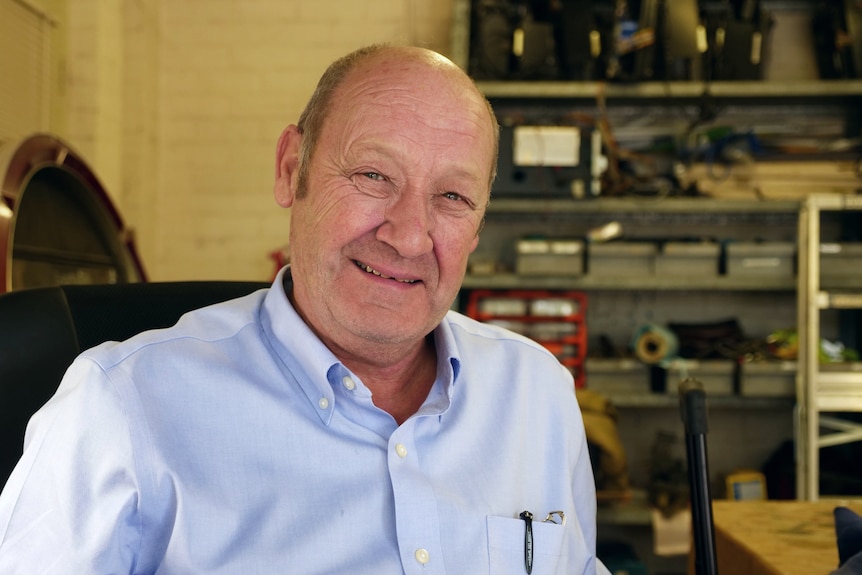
746,484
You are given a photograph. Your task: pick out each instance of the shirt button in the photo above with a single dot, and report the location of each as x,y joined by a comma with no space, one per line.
323,403
348,382
402,452
422,556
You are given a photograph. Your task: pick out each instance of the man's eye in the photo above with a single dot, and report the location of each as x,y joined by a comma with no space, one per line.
452,196
374,176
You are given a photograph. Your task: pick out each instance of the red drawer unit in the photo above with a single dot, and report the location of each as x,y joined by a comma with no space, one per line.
555,319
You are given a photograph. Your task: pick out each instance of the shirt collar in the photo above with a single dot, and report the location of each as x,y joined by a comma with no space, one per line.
312,364
448,355
303,354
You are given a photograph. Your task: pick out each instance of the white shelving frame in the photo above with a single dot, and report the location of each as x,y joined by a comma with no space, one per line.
821,393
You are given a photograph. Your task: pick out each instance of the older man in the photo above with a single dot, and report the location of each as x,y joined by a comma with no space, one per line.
343,421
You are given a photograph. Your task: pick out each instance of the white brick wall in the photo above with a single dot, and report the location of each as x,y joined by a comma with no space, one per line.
140,123
94,87
177,106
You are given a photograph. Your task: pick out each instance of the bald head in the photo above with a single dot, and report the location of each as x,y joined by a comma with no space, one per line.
368,58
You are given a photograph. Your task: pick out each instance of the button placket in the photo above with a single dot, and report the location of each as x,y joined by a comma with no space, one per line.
416,509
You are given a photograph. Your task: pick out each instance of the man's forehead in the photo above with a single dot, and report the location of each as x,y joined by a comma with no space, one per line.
415,85
434,102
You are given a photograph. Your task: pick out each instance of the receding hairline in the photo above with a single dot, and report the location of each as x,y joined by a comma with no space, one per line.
364,58
341,71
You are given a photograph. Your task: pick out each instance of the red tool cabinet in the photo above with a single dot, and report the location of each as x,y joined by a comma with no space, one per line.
555,319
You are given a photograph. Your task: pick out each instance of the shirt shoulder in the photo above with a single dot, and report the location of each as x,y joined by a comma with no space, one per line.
212,323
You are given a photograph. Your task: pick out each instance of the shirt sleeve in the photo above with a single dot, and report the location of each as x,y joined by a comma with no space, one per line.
72,503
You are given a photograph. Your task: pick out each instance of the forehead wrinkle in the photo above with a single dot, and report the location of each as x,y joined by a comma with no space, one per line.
382,149
425,95
415,86
378,140
469,124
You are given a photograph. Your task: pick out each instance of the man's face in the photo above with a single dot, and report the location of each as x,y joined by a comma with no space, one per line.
395,197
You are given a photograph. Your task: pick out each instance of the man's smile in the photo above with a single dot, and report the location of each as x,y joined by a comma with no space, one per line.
371,270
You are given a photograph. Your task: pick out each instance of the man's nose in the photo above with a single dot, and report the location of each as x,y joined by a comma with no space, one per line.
408,224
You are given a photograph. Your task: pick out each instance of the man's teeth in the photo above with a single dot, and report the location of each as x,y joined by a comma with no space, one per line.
371,270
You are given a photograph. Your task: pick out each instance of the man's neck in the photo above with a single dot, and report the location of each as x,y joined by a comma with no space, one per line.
399,379
401,388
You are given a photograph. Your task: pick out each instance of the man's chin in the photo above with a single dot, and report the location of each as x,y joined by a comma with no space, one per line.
391,334
391,327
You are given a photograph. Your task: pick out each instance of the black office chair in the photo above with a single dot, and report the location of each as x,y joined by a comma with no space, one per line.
43,329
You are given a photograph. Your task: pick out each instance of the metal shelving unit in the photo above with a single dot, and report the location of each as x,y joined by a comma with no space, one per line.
671,401
811,108
629,208
821,393
512,281
639,206
754,89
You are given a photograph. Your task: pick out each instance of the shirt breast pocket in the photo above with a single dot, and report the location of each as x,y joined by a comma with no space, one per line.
506,547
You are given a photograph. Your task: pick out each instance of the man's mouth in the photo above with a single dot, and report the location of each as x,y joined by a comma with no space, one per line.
368,269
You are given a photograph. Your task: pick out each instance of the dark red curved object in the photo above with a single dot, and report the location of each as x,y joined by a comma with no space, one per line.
57,223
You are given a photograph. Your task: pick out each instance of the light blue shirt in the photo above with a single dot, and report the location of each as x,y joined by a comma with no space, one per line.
236,442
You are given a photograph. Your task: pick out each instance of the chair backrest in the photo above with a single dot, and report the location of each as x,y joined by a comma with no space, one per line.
42,330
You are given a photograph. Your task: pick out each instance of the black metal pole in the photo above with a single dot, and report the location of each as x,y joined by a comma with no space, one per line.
692,401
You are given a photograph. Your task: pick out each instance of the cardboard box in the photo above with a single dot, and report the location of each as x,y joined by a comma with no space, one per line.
616,375
841,260
542,257
768,379
761,259
688,259
615,259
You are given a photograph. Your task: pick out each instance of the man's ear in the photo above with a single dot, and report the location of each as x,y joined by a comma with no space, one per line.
286,166
474,244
